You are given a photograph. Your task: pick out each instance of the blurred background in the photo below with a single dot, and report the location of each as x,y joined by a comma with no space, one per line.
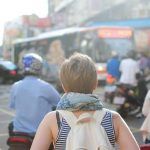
55,29
23,19
94,27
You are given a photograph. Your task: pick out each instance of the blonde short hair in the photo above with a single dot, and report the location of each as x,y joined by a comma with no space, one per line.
78,74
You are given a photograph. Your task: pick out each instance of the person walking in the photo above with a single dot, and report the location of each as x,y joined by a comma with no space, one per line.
145,128
31,97
144,63
140,92
80,120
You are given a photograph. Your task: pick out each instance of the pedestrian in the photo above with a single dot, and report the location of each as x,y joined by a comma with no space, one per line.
144,63
140,92
31,97
80,120
145,128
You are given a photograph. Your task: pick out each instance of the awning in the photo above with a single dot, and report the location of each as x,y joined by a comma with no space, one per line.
135,23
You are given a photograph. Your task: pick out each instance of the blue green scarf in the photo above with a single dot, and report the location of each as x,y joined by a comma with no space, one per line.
79,101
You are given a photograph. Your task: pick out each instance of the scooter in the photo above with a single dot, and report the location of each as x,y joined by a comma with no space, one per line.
20,141
125,100
110,88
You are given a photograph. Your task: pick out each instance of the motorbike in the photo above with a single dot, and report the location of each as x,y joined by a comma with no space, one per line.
145,147
20,141
126,100
110,88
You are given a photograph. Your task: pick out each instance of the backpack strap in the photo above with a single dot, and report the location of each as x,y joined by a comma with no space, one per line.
84,117
58,119
68,116
99,115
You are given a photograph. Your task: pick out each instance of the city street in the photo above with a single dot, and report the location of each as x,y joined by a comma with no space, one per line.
6,116
44,39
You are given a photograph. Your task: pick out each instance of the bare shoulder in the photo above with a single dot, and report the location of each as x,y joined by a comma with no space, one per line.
50,117
115,115
117,119
122,132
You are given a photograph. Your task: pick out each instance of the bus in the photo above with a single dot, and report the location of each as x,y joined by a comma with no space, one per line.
56,46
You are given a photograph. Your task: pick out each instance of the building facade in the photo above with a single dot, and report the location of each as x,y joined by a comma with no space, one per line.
133,13
66,13
23,27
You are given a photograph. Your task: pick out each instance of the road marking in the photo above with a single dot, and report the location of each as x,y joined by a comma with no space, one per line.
6,121
7,112
134,129
3,105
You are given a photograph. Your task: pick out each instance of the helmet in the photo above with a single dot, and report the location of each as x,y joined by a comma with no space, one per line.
131,54
114,54
32,63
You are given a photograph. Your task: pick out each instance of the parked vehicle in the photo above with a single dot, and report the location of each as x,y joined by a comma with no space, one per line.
8,72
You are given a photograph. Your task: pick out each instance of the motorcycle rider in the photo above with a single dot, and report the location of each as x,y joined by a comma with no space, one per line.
129,68
31,97
113,65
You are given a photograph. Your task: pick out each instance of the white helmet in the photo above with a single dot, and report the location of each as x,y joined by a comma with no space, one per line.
32,63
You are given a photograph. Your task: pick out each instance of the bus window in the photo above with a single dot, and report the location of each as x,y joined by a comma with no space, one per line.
121,46
99,42
113,39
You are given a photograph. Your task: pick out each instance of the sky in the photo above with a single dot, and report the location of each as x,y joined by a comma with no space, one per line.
11,9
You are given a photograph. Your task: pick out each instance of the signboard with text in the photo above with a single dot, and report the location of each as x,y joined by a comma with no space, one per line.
114,32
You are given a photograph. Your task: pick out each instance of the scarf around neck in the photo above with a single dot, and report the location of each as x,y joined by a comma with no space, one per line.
79,101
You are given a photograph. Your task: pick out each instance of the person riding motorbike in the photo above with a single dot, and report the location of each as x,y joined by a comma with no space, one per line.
31,97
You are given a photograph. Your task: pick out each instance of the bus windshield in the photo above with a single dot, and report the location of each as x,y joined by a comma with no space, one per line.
120,46
100,46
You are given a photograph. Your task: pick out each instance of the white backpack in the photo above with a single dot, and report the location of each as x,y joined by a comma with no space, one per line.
86,132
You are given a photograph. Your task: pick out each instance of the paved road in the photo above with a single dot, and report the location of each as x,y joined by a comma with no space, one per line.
6,116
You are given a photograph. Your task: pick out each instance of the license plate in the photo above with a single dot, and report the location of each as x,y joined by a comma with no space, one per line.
118,100
110,88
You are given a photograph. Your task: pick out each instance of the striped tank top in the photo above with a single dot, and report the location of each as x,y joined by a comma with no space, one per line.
106,123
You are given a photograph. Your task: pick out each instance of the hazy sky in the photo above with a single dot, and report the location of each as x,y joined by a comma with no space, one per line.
11,9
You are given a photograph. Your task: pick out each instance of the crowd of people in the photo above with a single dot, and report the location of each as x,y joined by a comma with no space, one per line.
132,72
80,120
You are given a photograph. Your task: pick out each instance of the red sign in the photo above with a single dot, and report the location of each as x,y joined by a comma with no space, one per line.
114,32
43,22
34,21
